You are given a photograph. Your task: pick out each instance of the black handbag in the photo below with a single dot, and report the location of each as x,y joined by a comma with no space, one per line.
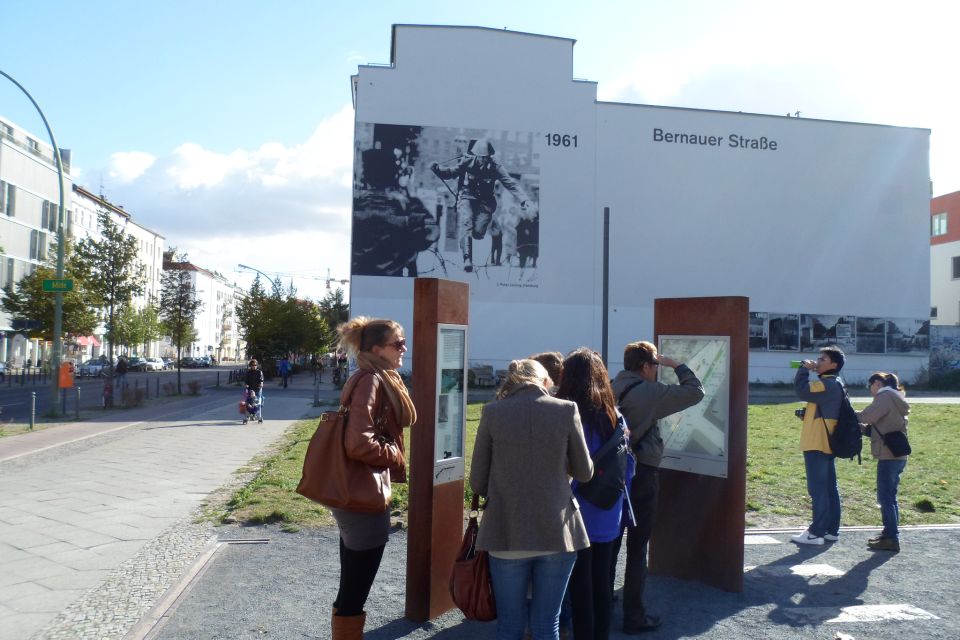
897,442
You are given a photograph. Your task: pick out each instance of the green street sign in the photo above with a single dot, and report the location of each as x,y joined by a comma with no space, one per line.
58,286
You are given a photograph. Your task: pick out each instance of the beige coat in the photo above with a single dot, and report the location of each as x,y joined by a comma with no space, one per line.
888,412
528,444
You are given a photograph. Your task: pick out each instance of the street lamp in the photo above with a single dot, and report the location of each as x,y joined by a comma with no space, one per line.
243,266
58,300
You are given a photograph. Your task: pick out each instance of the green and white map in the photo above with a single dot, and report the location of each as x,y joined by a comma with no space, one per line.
695,440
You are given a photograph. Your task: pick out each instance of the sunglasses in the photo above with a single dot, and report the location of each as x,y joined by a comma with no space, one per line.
399,344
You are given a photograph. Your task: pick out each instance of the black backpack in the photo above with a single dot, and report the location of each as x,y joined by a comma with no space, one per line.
609,471
846,441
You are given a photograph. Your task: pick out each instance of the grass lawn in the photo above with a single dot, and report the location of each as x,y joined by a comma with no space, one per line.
776,486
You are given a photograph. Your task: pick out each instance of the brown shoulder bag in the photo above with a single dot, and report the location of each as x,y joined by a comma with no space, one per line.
470,585
335,480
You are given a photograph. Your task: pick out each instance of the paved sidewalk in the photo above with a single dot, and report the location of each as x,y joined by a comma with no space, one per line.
283,588
96,518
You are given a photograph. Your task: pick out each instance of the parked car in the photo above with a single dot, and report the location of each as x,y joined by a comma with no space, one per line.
169,363
93,368
188,362
203,361
3,370
153,364
136,364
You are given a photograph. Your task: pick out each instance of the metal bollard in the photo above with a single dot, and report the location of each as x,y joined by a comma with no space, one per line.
63,402
316,394
157,394
218,378
76,407
33,409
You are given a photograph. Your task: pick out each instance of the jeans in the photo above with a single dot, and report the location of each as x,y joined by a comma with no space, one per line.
888,481
549,575
822,487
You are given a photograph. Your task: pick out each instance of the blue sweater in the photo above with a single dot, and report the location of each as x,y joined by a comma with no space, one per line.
603,525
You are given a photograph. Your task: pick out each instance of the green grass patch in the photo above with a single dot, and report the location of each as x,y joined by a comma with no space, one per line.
776,483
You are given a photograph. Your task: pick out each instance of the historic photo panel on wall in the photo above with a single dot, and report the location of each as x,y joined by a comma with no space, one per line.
818,331
758,330
446,203
783,331
908,336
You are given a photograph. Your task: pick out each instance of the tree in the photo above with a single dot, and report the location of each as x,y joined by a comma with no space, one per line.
178,305
112,271
28,300
334,310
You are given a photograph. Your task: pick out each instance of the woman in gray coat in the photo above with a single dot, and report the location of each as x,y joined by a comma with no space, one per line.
528,445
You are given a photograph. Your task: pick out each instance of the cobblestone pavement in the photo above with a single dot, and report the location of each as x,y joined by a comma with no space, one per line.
93,532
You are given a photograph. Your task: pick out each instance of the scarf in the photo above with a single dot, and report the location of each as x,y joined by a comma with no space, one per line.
396,391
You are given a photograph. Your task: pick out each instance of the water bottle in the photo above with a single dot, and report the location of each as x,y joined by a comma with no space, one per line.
796,364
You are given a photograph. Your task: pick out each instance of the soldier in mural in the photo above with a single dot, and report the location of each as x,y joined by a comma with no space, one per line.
390,226
477,172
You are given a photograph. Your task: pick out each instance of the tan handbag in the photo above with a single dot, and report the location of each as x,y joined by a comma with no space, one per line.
470,585
335,480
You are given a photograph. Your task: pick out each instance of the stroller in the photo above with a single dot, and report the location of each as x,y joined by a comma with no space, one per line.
251,407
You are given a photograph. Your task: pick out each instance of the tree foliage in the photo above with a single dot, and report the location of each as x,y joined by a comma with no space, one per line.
28,300
178,305
111,269
278,323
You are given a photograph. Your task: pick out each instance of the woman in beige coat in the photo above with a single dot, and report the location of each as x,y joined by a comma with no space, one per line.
886,414
528,444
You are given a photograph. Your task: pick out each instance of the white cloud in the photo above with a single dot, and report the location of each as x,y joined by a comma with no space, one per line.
127,166
278,208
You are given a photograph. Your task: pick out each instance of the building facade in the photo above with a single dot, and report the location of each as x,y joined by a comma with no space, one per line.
29,194
945,259
502,176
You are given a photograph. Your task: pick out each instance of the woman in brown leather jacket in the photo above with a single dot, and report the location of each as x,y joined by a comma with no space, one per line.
380,407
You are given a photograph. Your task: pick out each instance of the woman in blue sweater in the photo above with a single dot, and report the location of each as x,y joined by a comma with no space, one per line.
585,381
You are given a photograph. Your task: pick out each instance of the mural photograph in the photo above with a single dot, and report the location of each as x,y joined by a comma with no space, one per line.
445,202
818,331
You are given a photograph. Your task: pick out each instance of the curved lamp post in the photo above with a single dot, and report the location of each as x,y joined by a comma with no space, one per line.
58,300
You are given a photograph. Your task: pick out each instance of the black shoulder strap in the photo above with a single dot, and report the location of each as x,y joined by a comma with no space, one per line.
623,394
612,443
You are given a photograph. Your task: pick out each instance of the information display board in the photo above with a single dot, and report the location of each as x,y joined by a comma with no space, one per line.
451,403
697,439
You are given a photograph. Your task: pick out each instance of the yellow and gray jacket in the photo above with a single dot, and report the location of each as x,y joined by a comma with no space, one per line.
823,397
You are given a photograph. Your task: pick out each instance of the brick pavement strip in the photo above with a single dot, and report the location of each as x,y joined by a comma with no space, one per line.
94,532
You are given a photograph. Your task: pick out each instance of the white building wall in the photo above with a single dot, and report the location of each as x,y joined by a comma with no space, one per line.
945,289
799,229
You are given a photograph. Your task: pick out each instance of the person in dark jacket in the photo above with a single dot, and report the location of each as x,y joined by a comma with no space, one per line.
253,378
824,397
644,400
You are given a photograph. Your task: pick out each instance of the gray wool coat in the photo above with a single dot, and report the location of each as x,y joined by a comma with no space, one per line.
527,446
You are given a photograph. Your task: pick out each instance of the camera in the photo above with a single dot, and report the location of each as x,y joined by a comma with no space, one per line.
800,413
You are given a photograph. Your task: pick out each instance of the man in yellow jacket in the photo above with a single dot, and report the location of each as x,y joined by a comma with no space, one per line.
824,397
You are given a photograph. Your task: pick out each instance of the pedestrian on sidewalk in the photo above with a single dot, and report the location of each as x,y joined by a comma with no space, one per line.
886,415
380,408
284,369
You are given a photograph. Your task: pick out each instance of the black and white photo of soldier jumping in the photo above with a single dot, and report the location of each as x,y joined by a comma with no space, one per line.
477,172
426,198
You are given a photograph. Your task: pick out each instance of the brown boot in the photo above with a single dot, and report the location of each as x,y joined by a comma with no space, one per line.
348,627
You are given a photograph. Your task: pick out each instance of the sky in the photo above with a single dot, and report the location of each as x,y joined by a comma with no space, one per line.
227,127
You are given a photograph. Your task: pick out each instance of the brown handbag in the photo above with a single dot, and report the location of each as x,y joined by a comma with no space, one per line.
335,480
470,585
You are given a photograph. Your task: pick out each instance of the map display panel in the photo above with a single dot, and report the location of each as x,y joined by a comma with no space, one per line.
696,439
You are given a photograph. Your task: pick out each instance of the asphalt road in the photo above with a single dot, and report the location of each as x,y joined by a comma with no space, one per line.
15,398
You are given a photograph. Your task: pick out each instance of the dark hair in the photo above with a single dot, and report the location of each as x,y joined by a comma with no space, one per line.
835,354
637,354
552,361
363,333
888,379
585,381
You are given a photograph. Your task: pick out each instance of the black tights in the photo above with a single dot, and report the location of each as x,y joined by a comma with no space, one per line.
357,571
591,591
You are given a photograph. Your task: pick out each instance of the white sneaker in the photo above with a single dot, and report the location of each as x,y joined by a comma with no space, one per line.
829,537
806,538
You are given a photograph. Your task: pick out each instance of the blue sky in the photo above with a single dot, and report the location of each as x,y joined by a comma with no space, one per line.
226,125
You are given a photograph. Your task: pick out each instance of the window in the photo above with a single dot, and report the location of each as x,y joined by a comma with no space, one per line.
33,145
8,198
956,267
48,219
6,131
938,225
933,312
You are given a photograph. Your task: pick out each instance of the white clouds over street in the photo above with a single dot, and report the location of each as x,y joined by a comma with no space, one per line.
225,208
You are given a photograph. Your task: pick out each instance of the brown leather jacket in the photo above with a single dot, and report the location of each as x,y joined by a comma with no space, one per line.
373,434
